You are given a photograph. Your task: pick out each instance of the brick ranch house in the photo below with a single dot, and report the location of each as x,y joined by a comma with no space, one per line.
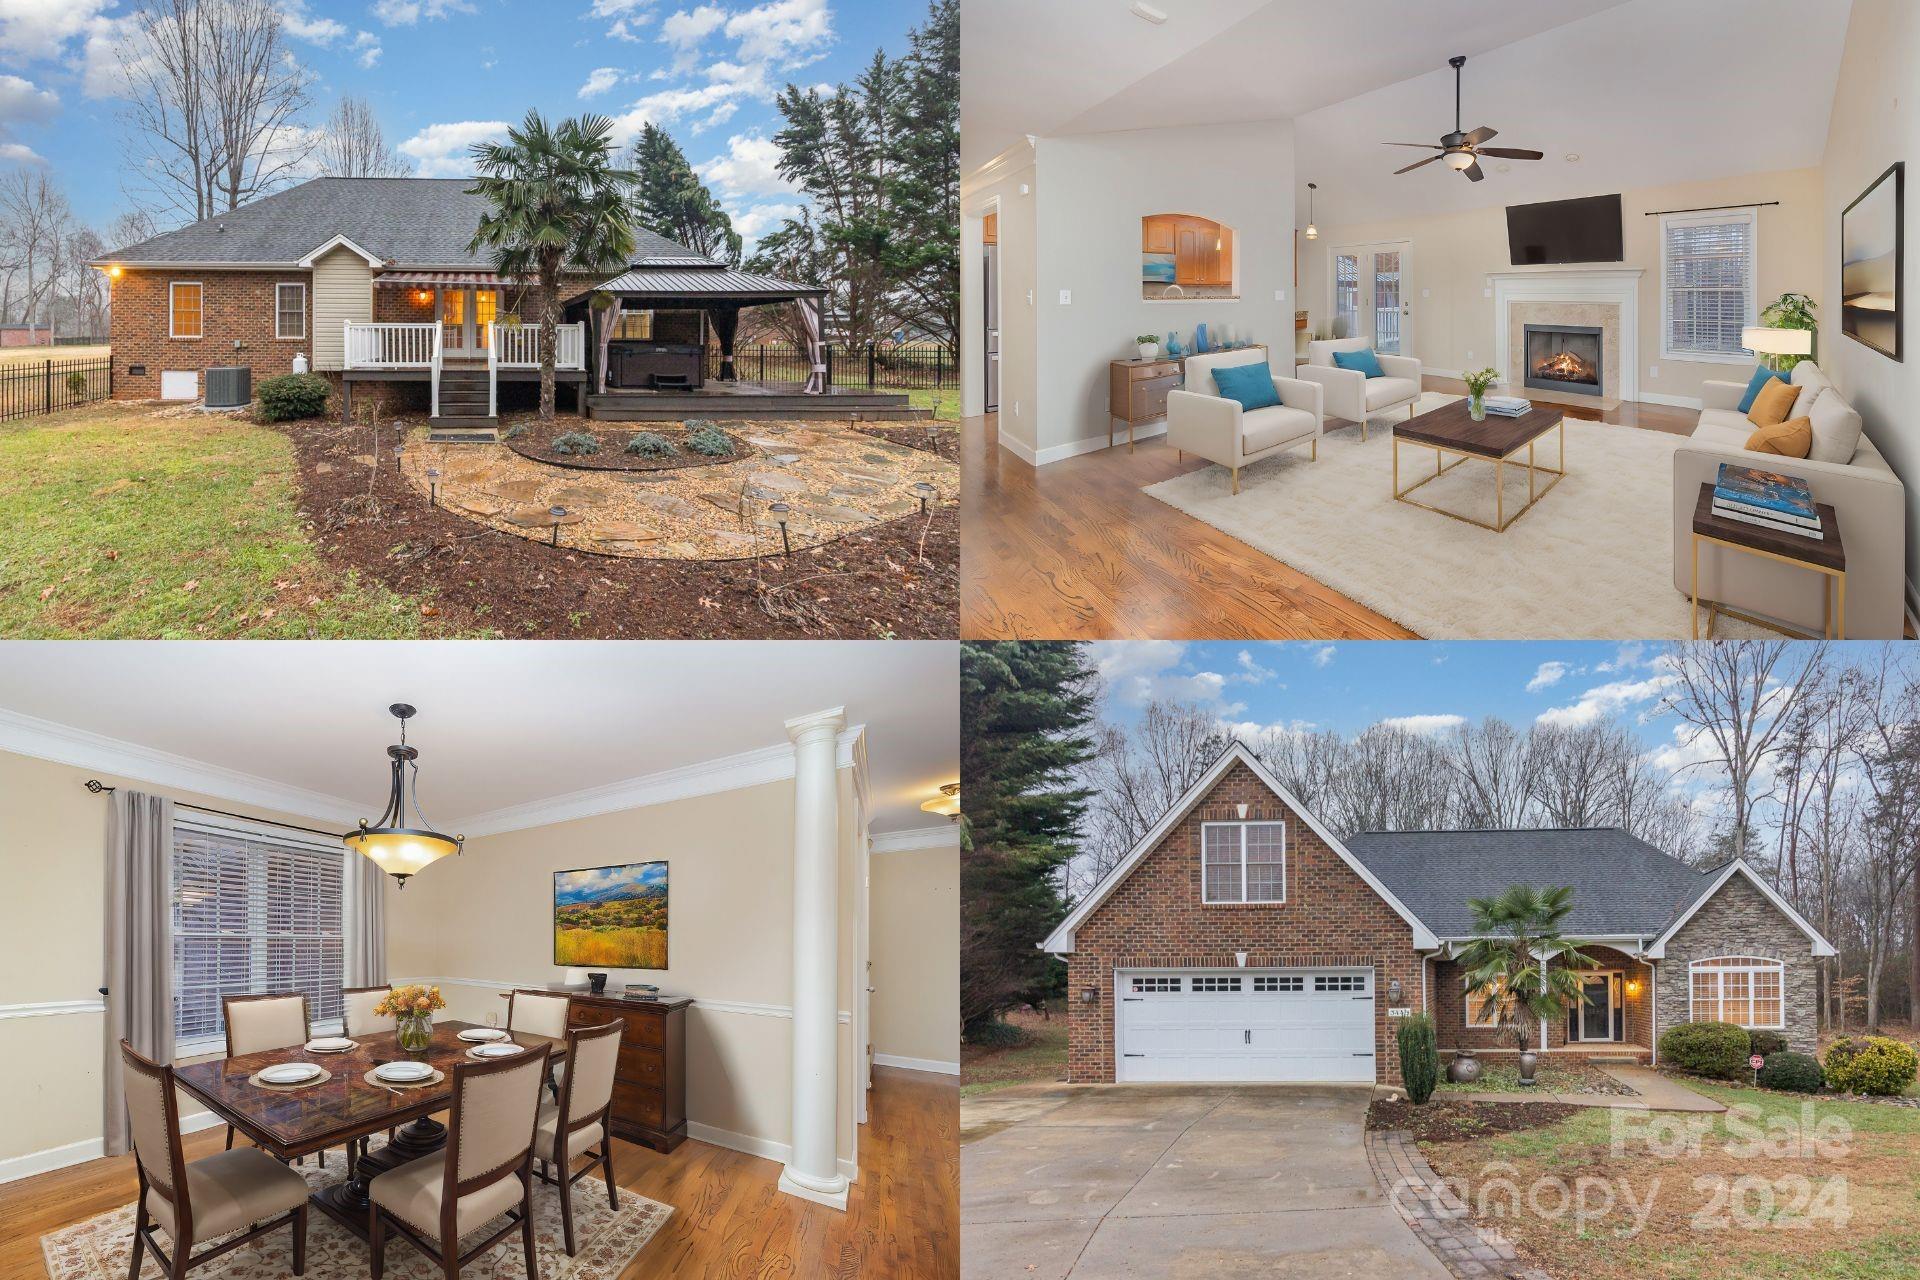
1242,940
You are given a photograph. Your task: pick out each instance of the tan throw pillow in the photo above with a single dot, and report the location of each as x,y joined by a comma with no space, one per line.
1790,439
1772,405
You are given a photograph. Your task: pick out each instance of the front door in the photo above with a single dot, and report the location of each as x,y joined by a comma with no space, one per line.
1596,1007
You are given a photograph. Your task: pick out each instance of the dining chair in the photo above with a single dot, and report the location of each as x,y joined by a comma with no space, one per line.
542,1015
568,1129
276,1020
209,1198
484,1171
358,1018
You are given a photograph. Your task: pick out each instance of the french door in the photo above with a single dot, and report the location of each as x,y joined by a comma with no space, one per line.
466,317
1371,295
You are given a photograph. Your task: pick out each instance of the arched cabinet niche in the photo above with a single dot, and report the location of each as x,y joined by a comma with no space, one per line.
1186,256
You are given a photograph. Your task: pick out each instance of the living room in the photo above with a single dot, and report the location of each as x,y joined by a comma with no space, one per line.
1676,220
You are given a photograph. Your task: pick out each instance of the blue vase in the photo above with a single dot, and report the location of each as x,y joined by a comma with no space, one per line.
1200,337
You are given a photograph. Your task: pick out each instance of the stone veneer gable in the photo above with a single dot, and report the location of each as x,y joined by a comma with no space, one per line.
1739,920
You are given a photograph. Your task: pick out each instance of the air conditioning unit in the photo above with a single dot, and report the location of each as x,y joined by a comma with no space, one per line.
230,388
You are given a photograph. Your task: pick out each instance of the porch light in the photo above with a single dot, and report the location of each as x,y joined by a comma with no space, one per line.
779,510
1633,986
398,850
925,491
433,486
1393,991
558,514
114,271
422,297
1090,994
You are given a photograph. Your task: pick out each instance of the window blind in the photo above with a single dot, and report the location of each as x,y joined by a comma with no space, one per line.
1707,283
252,913
290,311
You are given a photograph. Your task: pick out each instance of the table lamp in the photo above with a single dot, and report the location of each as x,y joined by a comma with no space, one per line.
1769,343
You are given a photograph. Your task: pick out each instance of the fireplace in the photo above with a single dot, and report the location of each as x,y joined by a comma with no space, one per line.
1566,358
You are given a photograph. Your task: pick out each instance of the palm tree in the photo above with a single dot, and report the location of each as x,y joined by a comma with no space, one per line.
1515,935
557,199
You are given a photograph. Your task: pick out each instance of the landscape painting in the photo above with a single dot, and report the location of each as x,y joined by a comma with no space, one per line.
611,917
1872,260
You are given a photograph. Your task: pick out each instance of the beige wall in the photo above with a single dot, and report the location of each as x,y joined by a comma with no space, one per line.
916,954
52,854
1452,255
999,191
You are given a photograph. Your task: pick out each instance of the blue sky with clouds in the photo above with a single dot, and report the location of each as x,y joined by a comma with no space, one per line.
443,74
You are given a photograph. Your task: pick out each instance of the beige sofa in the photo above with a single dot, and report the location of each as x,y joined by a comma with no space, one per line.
1844,470
1353,395
1202,421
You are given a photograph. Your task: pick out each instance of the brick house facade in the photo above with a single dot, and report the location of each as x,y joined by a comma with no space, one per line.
236,307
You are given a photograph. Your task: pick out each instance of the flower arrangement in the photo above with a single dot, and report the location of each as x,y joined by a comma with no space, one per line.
1479,382
411,1009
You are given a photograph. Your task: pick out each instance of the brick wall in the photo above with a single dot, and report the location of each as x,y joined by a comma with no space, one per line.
1449,1007
1740,921
1155,919
236,306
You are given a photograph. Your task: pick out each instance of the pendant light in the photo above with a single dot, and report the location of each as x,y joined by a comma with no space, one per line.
947,803
397,849
1313,232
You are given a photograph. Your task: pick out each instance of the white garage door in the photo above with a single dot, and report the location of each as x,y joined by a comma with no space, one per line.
1290,1025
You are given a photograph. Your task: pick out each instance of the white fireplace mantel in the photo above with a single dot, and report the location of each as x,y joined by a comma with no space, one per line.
1617,285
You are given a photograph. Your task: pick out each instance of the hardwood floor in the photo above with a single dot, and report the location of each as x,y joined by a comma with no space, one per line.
1076,551
902,1217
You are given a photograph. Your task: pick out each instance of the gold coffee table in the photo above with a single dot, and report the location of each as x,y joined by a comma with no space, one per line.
1450,429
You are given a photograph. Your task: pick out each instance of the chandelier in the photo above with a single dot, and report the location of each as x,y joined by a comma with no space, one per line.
397,849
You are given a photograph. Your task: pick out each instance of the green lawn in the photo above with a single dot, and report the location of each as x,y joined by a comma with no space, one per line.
121,522
1041,1059
944,402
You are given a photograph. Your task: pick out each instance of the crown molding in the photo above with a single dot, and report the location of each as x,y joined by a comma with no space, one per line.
944,836
44,740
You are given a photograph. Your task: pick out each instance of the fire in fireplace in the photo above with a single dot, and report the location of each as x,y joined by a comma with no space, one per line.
1564,358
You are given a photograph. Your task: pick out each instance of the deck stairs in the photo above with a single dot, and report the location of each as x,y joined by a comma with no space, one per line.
466,402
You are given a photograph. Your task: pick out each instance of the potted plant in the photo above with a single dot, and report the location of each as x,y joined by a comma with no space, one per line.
411,1009
1507,968
1149,346
1790,311
1479,383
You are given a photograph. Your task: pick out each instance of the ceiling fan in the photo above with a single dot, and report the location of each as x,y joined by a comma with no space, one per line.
1462,151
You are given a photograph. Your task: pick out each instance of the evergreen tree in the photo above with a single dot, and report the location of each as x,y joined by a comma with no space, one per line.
671,201
923,253
1024,711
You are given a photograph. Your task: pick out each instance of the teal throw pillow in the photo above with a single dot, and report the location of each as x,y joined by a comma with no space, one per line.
1365,361
1250,384
1757,381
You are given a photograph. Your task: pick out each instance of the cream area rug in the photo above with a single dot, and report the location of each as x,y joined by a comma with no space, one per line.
101,1248
1593,560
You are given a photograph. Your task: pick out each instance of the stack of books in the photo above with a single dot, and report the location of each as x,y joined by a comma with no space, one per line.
1766,499
1508,406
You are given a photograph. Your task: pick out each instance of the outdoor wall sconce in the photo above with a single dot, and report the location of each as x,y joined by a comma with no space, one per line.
1393,991
1090,994
558,514
1633,986
433,486
779,510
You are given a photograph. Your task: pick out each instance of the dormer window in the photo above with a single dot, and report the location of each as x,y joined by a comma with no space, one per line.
1243,862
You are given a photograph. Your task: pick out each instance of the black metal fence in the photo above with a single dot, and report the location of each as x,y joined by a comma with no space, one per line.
29,387
876,366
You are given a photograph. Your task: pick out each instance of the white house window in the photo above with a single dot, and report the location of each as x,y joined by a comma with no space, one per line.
183,309
290,311
1243,862
1201,985
1484,1007
251,913
1743,990
1706,285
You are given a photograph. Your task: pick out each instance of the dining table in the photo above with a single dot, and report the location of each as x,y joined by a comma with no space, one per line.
290,1123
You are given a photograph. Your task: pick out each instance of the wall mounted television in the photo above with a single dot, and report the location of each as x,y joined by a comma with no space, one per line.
1585,230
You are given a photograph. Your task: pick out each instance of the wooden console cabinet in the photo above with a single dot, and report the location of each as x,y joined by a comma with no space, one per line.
650,1082
1137,390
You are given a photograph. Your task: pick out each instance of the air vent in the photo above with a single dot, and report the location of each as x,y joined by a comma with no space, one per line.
230,388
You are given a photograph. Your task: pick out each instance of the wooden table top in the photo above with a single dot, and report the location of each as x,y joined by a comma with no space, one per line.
1825,553
1451,426
294,1122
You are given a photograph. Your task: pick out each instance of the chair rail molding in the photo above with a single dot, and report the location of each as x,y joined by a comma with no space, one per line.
1619,286
746,1007
52,1008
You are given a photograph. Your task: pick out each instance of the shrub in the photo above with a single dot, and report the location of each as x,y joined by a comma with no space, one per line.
1706,1049
76,383
1871,1064
992,1033
709,441
515,432
1766,1043
651,444
295,395
576,443
1419,1058
1794,1072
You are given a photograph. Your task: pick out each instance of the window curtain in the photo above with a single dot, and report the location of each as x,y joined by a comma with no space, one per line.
139,945
363,911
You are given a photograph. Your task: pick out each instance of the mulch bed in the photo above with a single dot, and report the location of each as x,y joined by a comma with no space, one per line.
1447,1121
537,444
942,438
899,579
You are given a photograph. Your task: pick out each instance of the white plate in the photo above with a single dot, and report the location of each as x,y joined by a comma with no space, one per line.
482,1034
290,1073
494,1051
403,1072
330,1044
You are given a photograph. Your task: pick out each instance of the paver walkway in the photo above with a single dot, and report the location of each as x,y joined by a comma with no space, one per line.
1437,1216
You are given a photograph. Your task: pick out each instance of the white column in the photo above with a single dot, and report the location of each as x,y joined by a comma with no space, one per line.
813,1165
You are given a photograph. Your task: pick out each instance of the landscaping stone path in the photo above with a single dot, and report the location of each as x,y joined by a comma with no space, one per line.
833,479
1436,1214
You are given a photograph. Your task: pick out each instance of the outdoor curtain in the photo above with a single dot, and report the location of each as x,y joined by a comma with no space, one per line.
816,353
602,330
364,921
139,945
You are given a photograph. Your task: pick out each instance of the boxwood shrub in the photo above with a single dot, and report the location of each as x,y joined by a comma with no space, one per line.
1419,1058
651,444
1706,1049
1794,1072
709,441
295,395
1767,1043
1871,1064
577,443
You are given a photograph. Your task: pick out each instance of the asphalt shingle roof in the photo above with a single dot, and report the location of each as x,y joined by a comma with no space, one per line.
1621,884
408,222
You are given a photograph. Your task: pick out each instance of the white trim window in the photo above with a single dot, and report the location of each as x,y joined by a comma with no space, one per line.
1243,862
1748,991
1484,1012
253,912
290,311
1707,264
185,308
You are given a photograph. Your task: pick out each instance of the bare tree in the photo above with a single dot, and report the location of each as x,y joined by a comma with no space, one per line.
35,221
1493,766
351,144
1136,775
1890,769
130,228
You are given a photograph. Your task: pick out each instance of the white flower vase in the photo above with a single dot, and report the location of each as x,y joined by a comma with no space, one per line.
1149,351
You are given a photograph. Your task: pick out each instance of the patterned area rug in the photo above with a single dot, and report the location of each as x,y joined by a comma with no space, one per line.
101,1248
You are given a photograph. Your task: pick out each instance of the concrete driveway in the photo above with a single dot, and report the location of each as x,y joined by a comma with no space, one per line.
1177,1181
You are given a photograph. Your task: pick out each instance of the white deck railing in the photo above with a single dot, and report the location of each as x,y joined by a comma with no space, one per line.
518,346
391,346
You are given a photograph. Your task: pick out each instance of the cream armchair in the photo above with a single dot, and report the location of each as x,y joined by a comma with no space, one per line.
1202,421
1353,395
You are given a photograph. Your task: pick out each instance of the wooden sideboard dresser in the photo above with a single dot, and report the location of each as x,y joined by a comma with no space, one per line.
650,1082
1137,390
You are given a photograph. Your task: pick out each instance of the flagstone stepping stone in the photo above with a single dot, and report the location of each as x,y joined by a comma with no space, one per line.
623,531
879,458
900,507
871,478
763,442
578,495
536,518
667,504
517,490
735,541
478,504
778,480
838,514
724,501
852,491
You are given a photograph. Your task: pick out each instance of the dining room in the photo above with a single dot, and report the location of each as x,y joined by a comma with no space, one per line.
347,959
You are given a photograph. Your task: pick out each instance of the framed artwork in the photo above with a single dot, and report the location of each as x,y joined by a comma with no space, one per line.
611,917
1873,259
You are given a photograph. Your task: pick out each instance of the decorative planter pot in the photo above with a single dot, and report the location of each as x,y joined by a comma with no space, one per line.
1529,1061
1464,1069
1149,351
1477,408
414,1033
